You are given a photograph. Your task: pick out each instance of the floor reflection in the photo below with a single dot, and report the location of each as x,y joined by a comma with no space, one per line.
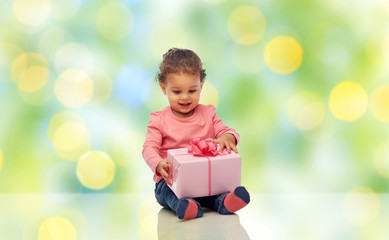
211,226
139,216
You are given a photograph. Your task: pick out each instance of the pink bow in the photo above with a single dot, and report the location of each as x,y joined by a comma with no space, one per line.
200,147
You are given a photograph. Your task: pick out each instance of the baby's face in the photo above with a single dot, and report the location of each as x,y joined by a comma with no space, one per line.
183,92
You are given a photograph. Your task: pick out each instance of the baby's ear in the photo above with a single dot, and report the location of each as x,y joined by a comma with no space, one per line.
163,87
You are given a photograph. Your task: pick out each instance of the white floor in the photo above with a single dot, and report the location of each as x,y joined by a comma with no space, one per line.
137,216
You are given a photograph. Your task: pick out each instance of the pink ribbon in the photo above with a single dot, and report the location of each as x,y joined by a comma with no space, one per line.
201,148
205,148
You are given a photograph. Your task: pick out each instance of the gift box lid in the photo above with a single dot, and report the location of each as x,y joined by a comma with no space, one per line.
189,158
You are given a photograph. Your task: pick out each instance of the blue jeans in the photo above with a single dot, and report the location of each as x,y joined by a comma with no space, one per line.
167,199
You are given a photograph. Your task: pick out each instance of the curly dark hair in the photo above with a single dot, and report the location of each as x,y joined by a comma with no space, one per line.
178,60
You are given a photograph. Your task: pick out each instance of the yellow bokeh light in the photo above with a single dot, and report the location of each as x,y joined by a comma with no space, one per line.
74,88
24,62
381,159
59,119
95,170
58,228
69,135
283,55
348,101
32,12
114,21
74,55
62,129
71,140
379,103
209,94
30,72
33,79
246,25
305,111
361,206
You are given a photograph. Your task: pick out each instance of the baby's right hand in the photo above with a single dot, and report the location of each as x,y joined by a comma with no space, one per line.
163,169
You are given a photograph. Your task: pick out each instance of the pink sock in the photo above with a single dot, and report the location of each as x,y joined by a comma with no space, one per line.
237,199
191,210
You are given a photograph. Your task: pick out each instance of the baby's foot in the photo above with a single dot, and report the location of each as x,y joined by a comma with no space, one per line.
234,201
188,209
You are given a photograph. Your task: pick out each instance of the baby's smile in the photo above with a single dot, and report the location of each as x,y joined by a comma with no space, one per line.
184,104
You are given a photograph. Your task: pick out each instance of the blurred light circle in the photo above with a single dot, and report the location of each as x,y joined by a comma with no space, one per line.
51,41
59,119
24,62
381,159
74,88
33,79
246,25
58,228
71,140
305,111
361,206
209,94
379,103
102,85
72,122
283,55
114,21
248,58
132,85
31,73
8,52
32,12
348,101
69,135
95,170
64,9
74,55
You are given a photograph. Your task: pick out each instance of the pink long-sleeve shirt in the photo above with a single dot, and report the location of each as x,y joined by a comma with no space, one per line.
166,131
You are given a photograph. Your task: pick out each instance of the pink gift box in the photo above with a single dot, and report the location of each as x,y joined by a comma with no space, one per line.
195,176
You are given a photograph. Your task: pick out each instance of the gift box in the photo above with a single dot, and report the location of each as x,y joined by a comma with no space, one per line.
198,176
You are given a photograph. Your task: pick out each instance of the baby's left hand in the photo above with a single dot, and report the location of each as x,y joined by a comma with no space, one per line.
227,141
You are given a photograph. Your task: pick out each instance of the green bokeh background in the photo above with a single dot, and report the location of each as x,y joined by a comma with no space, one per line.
335,156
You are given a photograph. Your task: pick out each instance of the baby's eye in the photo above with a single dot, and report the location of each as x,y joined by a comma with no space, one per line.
176,92
192,91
